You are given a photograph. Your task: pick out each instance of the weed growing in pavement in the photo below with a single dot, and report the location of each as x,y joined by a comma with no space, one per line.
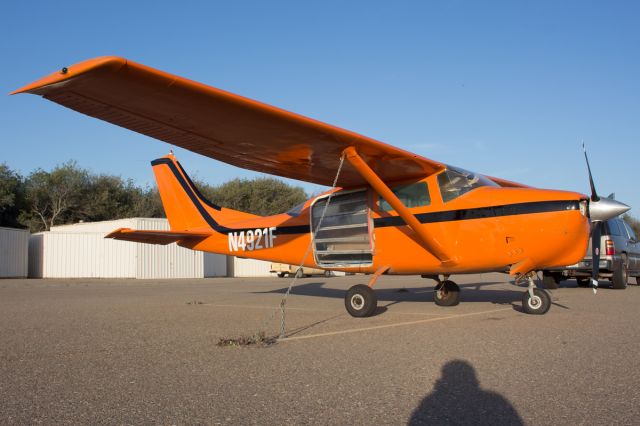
258,340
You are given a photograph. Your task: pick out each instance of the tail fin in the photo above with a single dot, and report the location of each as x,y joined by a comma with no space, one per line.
185,207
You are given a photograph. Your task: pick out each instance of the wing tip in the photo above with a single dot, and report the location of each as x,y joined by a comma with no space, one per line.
66,73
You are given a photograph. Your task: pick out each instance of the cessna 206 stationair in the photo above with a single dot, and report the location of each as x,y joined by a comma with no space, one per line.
394,212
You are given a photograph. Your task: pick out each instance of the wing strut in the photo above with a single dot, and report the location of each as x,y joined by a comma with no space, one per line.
431,244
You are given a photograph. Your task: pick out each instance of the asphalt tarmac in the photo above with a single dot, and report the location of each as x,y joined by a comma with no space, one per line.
142,352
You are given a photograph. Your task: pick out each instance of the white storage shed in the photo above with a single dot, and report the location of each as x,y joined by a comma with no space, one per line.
81,251
14,254
242,267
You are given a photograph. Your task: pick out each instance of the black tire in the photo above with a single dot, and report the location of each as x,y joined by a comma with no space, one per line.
281,274
637,280
621,275
361,301
583,281
328,274
550,281
540,303
446,293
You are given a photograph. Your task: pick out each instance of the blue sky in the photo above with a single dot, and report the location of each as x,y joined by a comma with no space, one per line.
503,88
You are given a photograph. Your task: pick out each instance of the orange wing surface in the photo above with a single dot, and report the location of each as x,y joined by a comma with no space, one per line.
221,125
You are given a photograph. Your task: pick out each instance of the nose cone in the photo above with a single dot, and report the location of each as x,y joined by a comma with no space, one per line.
606,208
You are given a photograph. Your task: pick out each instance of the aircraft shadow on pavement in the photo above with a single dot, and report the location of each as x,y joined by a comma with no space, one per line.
469,293
458,399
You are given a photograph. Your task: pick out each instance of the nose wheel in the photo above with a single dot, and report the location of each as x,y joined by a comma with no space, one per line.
537,304
535,301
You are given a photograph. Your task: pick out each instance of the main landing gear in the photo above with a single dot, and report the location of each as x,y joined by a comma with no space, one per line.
446,292
361,301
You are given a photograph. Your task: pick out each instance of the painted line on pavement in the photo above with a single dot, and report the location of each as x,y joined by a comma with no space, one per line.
400,324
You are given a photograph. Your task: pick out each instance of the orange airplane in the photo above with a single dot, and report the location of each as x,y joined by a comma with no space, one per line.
391,211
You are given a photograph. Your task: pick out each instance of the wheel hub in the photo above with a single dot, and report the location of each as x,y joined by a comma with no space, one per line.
357,302
535,302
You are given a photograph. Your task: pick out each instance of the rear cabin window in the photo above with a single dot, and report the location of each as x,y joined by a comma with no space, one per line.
455,182
411,195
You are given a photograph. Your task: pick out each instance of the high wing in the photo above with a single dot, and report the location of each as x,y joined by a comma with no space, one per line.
155,237
220,125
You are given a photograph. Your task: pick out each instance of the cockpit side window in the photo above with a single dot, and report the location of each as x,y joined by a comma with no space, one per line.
295,211
455,182
412,195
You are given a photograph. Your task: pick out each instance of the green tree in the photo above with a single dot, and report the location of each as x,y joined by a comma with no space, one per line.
56,197
146,203
12,198
111,197
261,196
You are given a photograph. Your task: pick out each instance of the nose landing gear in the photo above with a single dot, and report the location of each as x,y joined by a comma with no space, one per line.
535,301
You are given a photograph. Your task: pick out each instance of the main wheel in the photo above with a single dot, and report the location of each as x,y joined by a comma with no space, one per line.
638,280
281,274
583,281
446,293
538,304
621,275
550,281
361,301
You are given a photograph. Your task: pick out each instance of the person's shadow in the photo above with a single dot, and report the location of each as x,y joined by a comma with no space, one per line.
457,399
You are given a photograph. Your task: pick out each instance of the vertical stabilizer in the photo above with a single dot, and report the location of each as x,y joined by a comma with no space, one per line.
185,207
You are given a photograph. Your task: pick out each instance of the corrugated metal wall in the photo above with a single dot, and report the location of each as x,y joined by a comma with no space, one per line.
82,255
14,252
81,251
170,261
237,267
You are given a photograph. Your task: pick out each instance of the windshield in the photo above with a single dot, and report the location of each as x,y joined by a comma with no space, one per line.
454,182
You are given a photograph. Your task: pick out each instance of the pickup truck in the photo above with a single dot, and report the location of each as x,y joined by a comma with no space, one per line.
283,269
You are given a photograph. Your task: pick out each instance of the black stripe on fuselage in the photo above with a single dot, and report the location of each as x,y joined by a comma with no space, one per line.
383,222
483,212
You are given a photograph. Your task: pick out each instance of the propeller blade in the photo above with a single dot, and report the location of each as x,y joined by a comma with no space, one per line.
595,254
594,194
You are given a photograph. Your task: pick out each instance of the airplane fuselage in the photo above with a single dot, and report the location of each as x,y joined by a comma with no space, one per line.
488,228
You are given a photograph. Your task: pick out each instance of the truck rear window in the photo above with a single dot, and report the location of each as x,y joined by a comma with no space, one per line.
613,227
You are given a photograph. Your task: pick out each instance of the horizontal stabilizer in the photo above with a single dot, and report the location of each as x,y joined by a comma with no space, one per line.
155,237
